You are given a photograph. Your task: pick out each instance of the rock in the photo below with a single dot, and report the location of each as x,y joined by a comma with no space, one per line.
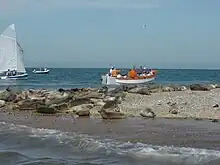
148,113
29,104
217,85
214,120
103,89
75,90
155,88
198,87
61,90
110,105
173,108
167,89
173,111
8,96
111,114
117,99
215,106
79,101
83,110
175,87
211,86
140,90
134,90
59,100
144,91
111,110
183,88
60,107
46,110
97,102
93,94
82,107
83,113
109,99
171,104
116,91
128,87
159,102
2,103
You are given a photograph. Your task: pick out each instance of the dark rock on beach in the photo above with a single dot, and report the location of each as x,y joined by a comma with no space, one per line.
174,101
199,87
46,110
148,113
111,110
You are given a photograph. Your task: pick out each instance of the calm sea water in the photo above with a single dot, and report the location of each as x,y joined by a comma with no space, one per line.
48,140
86,77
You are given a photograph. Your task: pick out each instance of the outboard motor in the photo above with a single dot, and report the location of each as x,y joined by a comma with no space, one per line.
104,79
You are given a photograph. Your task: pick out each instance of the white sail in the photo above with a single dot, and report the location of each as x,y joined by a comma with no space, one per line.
20,63
10,54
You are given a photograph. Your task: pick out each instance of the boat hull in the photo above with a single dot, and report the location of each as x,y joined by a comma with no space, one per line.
19,76
108,80
140,81
41,72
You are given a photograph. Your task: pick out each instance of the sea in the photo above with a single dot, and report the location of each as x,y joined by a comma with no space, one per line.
90,77
65,140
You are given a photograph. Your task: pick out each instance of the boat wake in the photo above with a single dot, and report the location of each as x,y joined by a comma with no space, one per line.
31,144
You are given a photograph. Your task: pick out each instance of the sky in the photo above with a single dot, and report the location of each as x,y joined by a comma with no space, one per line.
100,33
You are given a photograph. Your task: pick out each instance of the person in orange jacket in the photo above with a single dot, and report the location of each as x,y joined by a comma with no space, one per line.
132,73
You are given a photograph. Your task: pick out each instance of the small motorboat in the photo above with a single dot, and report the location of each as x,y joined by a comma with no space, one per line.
45,71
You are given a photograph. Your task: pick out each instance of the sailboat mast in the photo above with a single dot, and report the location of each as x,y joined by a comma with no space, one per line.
15,44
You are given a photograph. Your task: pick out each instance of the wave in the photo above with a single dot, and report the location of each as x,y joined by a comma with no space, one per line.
78,143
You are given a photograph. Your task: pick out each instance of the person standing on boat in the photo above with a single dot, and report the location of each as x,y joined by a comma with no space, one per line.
110,71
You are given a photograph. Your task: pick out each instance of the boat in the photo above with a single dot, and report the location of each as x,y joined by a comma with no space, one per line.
125,80
11,56
45,71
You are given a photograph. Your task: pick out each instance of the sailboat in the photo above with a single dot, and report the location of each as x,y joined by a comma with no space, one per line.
11,56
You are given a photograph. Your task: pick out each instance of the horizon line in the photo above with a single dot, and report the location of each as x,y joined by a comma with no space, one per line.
127,68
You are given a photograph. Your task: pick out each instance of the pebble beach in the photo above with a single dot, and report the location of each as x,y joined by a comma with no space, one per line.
194,101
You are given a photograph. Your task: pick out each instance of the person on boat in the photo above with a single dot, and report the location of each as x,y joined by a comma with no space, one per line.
110,71
119,76
132,73
8,73
114,72
13,72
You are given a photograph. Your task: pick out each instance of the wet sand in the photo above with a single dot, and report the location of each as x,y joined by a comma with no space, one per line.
181,133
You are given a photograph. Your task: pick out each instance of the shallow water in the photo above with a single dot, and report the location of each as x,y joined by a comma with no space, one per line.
27,140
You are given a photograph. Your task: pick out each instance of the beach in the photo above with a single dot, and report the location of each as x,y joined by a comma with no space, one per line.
158,124
195,101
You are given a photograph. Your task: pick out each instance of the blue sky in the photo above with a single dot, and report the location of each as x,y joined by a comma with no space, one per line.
98,33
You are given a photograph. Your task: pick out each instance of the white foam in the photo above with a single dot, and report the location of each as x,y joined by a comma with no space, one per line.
135,150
